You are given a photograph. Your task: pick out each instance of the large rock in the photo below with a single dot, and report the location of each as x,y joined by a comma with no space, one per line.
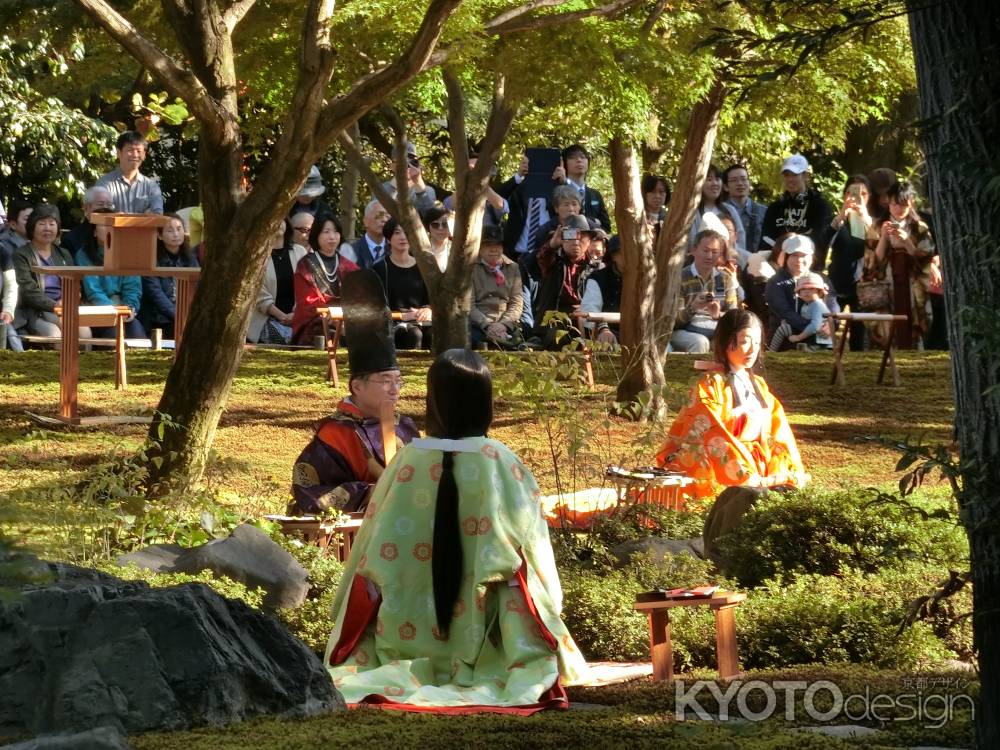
247,555
101,738
659,548
118,654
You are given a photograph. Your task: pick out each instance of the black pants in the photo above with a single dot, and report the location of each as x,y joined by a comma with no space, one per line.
409,335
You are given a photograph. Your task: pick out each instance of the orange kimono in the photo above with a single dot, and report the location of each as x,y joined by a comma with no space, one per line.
705,440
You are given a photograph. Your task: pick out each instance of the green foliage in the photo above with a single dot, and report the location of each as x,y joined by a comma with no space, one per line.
222,585
598,610
826,619
46,147
831,533
311,622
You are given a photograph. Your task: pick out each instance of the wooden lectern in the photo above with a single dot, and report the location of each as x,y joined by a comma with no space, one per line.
131,252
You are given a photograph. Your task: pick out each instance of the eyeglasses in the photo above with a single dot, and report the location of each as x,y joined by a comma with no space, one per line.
439,224
388,383
303,230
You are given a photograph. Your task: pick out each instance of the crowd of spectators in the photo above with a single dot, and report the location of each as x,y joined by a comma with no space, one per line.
548,258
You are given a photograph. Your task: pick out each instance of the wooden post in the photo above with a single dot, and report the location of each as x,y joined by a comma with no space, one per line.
725,643
838,358
121,378
661,651
69,356
185,293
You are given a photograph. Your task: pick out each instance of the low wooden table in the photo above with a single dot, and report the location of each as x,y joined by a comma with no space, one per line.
656,490
332,536
69,347
888,358
660,649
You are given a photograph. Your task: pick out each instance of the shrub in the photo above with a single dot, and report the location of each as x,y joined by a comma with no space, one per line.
311,622
223,585
829,533
598,610
817,618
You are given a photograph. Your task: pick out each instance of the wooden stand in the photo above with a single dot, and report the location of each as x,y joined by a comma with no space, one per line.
582,318
660,649
333,537
333,329
664,491
888,357
131,251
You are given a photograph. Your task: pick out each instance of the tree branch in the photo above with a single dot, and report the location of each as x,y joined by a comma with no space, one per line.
354,156
554,19
456,128
653,17
521,10
235,13
368,91
512,21
178,80
316,38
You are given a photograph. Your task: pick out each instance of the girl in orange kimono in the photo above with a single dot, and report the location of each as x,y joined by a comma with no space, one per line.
733,431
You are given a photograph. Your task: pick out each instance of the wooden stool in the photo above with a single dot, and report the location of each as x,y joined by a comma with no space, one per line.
660,649
595,317
888,358
333,329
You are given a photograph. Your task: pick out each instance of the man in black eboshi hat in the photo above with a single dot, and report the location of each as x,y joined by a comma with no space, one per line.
345,458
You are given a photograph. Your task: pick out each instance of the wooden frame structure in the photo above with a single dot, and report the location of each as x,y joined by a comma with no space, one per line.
132,244
661,650
888,357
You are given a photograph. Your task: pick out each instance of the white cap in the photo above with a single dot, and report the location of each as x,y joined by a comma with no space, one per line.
795,163
710,221
798,244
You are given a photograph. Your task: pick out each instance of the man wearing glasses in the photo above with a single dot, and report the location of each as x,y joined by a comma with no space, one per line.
736,181
341,464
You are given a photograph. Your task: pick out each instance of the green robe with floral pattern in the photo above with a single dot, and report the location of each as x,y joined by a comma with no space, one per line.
508,646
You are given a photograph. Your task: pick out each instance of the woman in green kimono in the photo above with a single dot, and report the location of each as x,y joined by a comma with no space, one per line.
450,600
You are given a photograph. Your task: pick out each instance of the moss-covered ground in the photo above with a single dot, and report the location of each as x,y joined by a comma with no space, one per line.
277,396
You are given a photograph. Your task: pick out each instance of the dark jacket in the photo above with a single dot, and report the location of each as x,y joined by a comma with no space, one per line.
32,300
845,252
593,208
363,254
808,213
159,300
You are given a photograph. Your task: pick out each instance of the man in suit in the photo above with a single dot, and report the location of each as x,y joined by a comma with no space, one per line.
370,247
576,164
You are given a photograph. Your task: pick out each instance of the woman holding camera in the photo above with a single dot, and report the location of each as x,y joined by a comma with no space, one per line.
905,248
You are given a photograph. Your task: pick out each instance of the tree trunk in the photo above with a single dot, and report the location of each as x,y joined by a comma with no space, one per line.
671,246
953,44
641,352
348,207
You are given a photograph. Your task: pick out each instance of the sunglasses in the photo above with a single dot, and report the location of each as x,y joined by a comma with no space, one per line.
439,224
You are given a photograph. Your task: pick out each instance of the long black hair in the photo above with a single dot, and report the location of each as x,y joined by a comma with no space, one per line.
729,325
459,405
